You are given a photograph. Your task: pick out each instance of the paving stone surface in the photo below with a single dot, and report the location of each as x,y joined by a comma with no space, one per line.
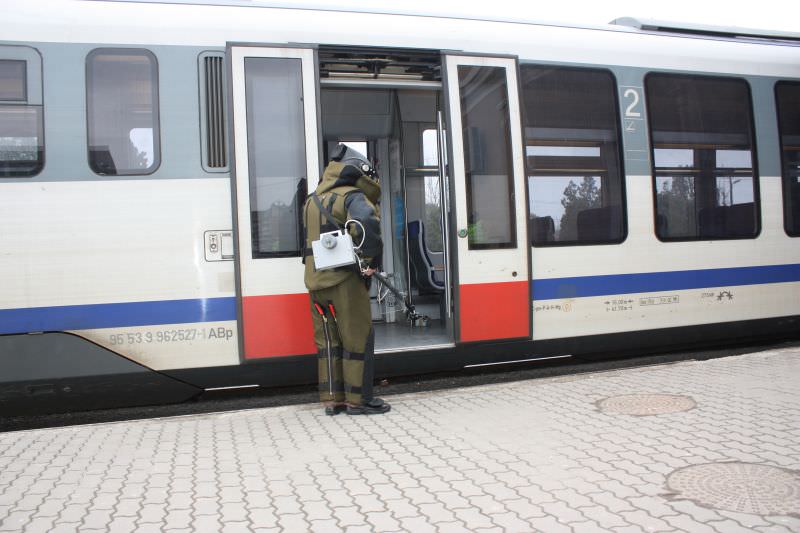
537,455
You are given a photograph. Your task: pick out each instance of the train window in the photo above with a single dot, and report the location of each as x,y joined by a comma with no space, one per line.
12,80
575,178
787,95
430,147
703,156
122,108
21,122
487,156
277,148
213,121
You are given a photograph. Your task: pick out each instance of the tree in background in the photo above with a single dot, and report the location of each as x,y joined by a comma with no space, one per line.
578,198
676,199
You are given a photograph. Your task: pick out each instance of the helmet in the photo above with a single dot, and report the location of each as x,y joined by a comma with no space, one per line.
347,156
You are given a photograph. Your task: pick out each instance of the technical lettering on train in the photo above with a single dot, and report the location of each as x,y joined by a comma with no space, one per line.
659,300
173,335
548,307
614,306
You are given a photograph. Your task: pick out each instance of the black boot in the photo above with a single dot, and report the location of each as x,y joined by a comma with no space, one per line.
335,409
375,406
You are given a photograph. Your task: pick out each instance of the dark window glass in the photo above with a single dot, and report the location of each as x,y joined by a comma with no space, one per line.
703,157
487,157
788,102
12,80
21,140
122,107
575,179
277,154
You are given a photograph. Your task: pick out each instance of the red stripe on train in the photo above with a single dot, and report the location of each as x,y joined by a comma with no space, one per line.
495,311
277,325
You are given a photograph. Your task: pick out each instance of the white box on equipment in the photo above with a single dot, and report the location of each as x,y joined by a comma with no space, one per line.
333,249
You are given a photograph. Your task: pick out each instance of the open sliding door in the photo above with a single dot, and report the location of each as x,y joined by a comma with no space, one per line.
492,250
276,146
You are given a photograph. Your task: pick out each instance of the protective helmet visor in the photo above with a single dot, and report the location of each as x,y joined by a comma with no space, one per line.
348,156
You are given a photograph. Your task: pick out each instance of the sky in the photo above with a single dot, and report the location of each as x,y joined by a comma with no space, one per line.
780,15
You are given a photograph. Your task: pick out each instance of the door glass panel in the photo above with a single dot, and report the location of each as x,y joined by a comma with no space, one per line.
487,157
276,154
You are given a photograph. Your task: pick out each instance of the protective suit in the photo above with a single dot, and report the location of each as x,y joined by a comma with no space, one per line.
340,303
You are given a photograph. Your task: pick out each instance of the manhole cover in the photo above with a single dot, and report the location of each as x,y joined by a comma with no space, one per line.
645,404
739,487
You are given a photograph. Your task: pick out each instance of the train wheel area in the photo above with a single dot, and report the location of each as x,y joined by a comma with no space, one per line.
666,446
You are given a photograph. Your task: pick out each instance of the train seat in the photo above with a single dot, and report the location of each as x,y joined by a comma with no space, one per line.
543,229
727,221
423,264
600,223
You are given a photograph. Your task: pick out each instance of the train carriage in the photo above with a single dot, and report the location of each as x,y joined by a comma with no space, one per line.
549,191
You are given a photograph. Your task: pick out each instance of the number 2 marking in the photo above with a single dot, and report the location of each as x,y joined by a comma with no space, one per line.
629,112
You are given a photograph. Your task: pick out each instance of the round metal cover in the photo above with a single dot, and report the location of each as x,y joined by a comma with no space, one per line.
739,487
646,404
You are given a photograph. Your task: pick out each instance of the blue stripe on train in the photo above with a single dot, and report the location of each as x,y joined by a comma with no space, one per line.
130,314
581,287
95,316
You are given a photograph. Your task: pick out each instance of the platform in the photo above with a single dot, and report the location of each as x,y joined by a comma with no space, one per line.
711,446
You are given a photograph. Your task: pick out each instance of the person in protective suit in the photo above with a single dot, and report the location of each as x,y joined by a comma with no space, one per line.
340,306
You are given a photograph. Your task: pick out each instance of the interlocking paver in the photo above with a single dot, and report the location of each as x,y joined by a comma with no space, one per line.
178,519
549,525
122,523
293,522
68,527
401,508
417,524
16,520
206,523
40,525
205,506
790,522
473,518
262,518
233,512
729,526
348,516
180,500
467,488
563,512
701,514
687,523
645,521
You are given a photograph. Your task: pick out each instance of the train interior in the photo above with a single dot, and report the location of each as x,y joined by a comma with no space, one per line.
385,106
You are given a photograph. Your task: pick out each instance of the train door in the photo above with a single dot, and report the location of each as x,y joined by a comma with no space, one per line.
277,155
395,125
493,299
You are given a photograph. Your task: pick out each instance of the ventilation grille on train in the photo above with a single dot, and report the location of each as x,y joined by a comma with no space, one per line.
217,156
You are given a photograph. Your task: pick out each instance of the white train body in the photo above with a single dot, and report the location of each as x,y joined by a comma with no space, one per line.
157,268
